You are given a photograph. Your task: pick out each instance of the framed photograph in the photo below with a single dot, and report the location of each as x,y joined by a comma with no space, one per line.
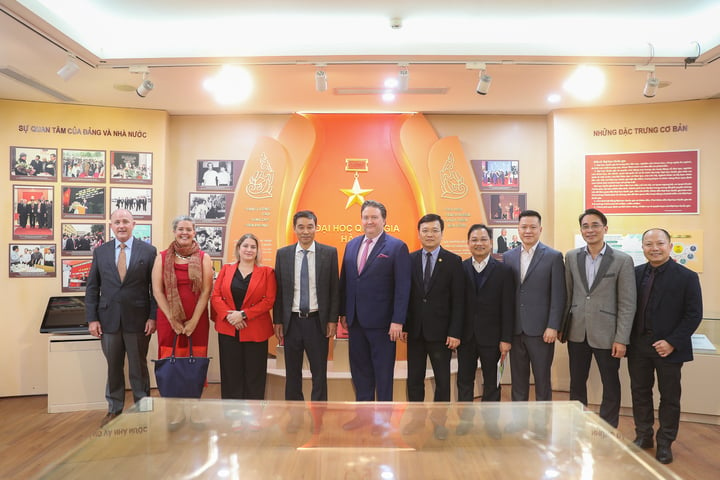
217,264
209,207
497,174
142,231
137,200
218,174
33,163
211,239
32,260
85,166
505,239
80,239
75,272
33,212
130,167
503,208
83,202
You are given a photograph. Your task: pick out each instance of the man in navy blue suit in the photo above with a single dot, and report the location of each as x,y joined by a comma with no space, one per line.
374,295
669,310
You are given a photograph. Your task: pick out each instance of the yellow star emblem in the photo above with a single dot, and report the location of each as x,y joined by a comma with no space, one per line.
355,194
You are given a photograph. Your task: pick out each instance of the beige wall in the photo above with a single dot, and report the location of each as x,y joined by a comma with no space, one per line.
573,138
550,150
23,355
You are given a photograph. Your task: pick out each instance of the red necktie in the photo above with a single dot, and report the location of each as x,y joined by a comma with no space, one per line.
364,254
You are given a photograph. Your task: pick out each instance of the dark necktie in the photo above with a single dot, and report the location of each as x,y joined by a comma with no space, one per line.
428,271
304,285
645,323
122,262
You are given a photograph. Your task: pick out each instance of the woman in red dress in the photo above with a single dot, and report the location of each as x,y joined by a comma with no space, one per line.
182,280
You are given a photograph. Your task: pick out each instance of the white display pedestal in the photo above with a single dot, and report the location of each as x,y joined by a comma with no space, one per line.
76,374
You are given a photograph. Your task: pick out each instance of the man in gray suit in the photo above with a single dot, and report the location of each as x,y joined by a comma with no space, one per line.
120,309
539,304
306,314
600,308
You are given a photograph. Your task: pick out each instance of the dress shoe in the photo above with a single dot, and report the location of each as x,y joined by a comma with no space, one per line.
108,418
355,423
643,442
413,427
463,427
177,420
440,432
664,454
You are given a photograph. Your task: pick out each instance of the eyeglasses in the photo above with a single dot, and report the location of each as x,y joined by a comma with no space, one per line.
592,226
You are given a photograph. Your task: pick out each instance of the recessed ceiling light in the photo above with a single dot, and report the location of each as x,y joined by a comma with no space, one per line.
391,82
586,83
554,98
388,97
231,85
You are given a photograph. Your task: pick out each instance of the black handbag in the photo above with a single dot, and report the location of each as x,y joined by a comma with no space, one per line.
181,377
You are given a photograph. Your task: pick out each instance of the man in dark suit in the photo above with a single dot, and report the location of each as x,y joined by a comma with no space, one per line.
374,295
305,319
600,308
120,309
487,326
23,209
669,310
539,304
502,242
435,314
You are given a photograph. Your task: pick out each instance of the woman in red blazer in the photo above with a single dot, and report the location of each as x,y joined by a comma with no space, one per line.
241,302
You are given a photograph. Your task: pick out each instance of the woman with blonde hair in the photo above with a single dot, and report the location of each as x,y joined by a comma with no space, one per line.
241,302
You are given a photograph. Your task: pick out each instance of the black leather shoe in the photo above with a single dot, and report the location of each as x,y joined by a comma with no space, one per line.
664,454
644,442
108,418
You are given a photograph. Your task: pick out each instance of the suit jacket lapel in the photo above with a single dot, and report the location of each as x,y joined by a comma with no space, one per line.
375,251
537,256
607,260
580,259
417,267
488,271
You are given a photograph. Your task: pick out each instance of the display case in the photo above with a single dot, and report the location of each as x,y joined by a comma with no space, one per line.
173,438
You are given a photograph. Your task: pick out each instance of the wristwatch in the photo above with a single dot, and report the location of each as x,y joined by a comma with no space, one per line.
243,314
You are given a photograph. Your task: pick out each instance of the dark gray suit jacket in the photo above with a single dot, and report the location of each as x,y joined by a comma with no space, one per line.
128,304
540,298
326,282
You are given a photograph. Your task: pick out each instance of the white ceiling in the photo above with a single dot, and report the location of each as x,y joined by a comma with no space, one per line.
530,47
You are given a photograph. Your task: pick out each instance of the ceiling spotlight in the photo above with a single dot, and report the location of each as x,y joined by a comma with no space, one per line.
321,83
651,85
483,83
70,68
403,78
145,87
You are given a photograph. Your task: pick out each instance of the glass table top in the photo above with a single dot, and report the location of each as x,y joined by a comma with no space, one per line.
222,439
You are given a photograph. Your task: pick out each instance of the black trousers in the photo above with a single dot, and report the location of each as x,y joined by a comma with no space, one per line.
243,368
305,335
418,350
468,354
580,356
643,364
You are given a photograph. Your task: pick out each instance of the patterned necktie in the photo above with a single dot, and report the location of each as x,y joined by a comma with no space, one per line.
364,254
122,263
428,271
304,285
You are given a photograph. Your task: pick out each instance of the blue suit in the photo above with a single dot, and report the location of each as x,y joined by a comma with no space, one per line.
539,304
371,301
